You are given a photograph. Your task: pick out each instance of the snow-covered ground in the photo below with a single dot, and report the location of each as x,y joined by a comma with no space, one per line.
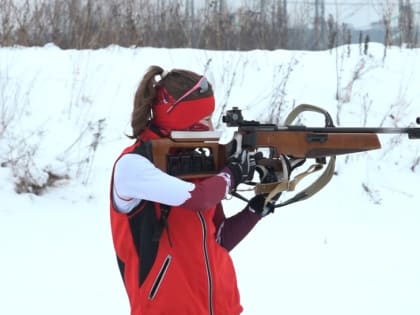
351,249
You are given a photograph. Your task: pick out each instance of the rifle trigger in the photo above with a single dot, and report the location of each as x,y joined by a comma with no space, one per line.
317,137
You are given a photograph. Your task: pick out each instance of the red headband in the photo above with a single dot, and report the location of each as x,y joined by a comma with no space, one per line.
184,115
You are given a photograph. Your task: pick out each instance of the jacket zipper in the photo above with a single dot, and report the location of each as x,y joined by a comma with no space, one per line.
206,256
159,279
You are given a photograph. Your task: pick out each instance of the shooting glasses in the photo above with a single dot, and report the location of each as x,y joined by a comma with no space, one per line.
203,87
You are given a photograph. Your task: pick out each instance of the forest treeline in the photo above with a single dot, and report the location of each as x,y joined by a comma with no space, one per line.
266,24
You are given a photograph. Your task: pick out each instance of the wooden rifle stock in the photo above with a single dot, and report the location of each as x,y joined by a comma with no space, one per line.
301,144
180,157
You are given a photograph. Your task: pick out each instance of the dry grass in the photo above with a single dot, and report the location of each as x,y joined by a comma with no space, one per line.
90,24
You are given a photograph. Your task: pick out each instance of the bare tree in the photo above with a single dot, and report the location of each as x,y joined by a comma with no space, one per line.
319,24
387,39
406,23
332,32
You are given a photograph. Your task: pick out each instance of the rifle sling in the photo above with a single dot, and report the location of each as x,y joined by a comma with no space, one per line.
285,185
325,176
273,189
308,108
311,189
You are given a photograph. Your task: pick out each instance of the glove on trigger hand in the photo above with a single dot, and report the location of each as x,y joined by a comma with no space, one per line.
242,167
256,205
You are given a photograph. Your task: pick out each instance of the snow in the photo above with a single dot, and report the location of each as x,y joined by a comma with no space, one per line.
350,249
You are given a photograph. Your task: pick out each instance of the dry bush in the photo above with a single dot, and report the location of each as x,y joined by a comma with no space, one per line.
29,178
33,174
22,148
278,98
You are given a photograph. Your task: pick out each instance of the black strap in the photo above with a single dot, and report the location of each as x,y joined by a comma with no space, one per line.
162,224
157,130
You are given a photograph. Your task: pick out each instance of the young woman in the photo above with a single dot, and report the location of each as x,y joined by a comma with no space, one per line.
171,236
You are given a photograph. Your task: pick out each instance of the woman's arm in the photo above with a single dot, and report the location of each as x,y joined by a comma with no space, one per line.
136,178
232,230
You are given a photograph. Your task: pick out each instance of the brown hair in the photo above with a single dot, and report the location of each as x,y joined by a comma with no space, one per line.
176,82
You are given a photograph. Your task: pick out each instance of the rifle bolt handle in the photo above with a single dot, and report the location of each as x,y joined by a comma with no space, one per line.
418,120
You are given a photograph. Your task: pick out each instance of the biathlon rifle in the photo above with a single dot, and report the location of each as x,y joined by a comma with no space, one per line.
199,154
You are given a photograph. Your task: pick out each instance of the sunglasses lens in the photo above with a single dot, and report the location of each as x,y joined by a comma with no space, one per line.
204,85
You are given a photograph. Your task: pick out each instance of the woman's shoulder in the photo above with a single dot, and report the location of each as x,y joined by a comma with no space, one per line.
133,160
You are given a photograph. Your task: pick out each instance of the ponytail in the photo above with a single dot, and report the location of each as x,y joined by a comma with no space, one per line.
143,100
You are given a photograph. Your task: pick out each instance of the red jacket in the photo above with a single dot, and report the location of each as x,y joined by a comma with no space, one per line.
184,271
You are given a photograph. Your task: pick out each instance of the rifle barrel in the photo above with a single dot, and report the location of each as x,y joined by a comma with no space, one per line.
413,133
